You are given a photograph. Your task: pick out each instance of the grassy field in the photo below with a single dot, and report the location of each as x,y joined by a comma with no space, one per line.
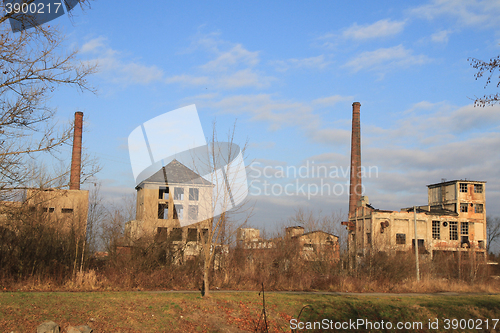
241,312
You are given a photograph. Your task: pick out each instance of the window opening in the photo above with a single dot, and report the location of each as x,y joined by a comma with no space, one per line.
179,193
453,230
436,230
401,239
194,194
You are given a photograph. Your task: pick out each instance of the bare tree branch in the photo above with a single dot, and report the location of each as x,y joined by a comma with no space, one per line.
486,68
34,63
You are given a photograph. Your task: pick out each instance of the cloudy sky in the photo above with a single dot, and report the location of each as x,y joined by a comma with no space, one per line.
288,72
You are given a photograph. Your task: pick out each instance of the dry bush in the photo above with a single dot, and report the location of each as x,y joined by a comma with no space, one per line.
31,247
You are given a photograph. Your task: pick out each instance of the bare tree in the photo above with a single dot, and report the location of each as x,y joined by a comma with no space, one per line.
113,222
486,68
311,221
33,64
225,162
492,231
96,216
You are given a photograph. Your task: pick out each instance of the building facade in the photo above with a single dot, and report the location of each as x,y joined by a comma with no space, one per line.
173,204
312,246
454,220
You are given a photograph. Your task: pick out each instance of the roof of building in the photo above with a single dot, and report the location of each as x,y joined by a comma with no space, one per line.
176,173
314,232
455,181
432,211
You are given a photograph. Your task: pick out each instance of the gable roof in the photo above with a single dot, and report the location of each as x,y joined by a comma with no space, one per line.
176,173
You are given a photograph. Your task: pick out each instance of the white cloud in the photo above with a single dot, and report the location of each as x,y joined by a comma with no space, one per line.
317,62
113,67
236,56
263,145
232,66
332,100
94,45
263,107
441,36
382,28
244,78
467,12
188,80
387,58
283,113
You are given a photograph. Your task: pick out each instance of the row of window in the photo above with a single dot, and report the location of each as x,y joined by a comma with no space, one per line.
164,193
478,188
175,234
478,208
436,231
453,230
178,213
52,210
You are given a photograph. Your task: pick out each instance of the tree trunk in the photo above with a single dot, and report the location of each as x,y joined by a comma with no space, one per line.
205,292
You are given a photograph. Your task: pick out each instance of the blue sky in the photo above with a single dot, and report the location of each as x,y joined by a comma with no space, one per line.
288,72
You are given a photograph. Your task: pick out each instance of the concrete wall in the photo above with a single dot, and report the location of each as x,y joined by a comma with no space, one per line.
148,219
69,208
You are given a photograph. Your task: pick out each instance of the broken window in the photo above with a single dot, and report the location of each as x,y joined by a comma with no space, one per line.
161,234
463,187
478,208
481,244
436,230
204,235
163,211
67,210
464,207
421,247
178,212
192,235
368,238
401,239
478,188
464,228
179,193
193,194
49,210
453,230
193,212
308,247
163,193
176,234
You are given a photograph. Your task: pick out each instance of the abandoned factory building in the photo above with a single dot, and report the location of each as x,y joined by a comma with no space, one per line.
173,204
311,246
65,210
454,219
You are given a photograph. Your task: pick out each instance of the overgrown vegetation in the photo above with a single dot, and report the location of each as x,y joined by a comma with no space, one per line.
161,266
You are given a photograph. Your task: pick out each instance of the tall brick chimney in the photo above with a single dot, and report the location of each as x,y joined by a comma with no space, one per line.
76,159
355,188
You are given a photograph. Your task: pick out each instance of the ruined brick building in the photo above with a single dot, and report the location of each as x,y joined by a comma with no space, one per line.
173,204
312,246
454,219
64,209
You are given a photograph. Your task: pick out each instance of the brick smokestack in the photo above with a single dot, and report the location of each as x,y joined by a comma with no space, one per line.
76,159
355,185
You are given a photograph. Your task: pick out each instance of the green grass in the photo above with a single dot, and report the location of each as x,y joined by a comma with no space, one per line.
230,312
